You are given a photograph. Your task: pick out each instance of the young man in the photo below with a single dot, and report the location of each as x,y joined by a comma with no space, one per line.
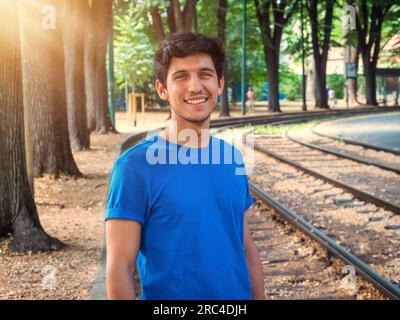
182,222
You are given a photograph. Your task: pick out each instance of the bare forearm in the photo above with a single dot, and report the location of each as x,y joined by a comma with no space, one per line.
256,272
120,283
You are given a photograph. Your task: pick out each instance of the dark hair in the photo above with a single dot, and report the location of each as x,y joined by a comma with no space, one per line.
182,44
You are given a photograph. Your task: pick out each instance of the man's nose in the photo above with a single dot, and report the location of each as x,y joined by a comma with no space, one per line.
195,84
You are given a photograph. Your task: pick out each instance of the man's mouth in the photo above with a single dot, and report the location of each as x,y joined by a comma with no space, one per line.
196,100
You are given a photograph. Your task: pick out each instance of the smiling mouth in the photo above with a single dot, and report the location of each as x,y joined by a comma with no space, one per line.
196,101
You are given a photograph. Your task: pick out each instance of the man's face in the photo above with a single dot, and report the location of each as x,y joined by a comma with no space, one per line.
192,87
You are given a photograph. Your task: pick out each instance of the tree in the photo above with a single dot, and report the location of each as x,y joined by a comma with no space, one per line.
271,39
18,214
223,7
369,20
177,19
44,87
99,24
320,48
76,14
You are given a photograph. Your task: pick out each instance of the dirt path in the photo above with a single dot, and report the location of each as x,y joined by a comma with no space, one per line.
71,210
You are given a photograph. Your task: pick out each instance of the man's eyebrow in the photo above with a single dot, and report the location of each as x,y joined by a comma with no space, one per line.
208,69
184,71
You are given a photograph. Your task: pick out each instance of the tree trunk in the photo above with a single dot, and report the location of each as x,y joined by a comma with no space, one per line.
221,15
371,26
320,52
353,53
177,20
272,62
171,20
18,214
157,23
99,24
75,16
188,14
44,87
370,83
177,14
321,98
271,39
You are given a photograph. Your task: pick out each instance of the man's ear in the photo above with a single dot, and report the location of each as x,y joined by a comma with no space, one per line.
161,90
221,83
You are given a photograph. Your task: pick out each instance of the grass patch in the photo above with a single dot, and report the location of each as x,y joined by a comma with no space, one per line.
278,129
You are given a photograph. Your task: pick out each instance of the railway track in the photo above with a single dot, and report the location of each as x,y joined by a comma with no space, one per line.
315,268
360,179
343,154
380,158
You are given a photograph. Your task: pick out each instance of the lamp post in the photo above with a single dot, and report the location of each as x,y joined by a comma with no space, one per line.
244,27
304,107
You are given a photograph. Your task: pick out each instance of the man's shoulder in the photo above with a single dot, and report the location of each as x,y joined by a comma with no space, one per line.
136,155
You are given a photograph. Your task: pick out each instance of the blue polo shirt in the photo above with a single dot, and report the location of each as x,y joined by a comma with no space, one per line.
190,203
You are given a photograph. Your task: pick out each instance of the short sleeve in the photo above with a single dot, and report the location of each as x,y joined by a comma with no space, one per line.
127,195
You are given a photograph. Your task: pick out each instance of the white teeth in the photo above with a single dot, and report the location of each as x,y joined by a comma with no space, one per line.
197,101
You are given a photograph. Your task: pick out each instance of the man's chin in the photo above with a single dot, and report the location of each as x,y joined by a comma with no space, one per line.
198,119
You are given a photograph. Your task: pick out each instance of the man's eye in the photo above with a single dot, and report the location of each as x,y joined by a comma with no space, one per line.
180,77
206,75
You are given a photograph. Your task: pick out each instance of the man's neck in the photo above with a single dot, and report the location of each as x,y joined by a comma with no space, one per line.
190,134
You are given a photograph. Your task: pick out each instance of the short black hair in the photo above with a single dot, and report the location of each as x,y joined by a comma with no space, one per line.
182,44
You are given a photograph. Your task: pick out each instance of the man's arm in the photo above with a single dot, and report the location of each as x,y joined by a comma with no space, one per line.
254,264
123,242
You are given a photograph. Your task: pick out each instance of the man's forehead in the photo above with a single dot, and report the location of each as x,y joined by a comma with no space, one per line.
194,62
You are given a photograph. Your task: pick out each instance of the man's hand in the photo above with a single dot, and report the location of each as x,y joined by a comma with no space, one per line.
123,242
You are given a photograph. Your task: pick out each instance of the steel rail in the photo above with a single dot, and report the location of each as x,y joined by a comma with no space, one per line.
357,193
382,284
343,154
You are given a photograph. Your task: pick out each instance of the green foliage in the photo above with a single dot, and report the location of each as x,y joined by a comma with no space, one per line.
290,83
338,83
256,69
134,46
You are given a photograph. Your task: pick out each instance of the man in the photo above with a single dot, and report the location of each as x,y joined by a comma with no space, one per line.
332,96
251,96
183,221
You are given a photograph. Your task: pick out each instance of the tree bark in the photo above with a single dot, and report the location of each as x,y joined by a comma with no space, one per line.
221,15
370,25
44,87
353,53
177,14
18,214
171,20
271,39
157,23
177,20
188,14
99,24
320,52
75,16
272,62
